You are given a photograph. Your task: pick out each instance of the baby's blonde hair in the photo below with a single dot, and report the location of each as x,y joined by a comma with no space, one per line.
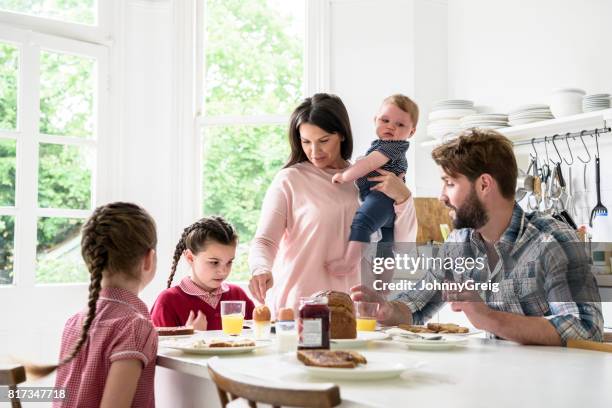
406,104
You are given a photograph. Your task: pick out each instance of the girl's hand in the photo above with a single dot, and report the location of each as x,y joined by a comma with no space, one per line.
391,185
198,322
338,178
259,285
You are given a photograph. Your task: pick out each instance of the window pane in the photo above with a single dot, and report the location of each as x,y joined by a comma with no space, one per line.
67,84
64,176
9,66
254,56
239,164
7,238
58,251
7,172
75,11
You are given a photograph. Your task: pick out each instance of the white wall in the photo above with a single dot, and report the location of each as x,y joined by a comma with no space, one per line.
386,47
506,53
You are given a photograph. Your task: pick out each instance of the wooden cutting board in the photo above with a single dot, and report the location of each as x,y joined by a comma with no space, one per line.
430,213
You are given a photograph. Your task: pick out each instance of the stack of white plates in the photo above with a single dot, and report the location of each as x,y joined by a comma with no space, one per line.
595,102
445,116
485,120
529,114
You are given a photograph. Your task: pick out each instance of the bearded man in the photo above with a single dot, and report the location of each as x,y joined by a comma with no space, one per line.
546,293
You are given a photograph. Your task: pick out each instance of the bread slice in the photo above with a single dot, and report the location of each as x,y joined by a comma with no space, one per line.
447,328
415,329
331,358
174,331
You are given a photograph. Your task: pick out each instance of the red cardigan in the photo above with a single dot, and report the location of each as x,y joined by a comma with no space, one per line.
173,305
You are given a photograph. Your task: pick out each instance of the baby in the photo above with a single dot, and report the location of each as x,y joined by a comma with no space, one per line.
395,123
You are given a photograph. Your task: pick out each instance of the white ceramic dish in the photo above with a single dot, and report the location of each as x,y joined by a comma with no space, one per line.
446,343
377,368
450,113
186,348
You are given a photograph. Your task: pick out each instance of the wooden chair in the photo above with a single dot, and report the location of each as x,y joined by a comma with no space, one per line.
11,376
232,385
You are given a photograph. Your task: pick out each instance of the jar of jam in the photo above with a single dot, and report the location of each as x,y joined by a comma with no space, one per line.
313,323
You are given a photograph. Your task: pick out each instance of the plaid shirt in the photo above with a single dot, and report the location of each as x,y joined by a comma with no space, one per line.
543,270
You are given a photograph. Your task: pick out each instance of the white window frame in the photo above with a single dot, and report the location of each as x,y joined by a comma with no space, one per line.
316,76
31,35
97,34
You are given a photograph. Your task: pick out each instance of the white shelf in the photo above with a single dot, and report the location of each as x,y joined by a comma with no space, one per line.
575,123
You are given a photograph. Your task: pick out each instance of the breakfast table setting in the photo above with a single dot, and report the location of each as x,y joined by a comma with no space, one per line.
403,368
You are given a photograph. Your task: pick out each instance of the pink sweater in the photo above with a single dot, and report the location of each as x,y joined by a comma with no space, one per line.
305,222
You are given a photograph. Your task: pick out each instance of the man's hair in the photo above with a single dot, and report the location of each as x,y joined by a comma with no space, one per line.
478,151
406,104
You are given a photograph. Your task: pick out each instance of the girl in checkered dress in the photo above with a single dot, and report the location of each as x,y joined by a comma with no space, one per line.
209,247
109,349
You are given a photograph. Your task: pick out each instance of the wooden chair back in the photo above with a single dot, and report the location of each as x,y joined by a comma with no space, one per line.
11,376
232,385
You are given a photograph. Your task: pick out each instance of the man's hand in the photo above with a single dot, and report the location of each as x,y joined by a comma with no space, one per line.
361,293
338,178
470,303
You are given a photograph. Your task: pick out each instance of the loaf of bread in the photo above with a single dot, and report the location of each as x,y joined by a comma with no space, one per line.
342,314
331,358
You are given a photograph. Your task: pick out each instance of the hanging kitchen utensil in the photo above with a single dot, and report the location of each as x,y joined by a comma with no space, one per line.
570,205
599,209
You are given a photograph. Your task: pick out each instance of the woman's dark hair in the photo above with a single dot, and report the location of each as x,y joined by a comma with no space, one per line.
114,240
197,235
327,112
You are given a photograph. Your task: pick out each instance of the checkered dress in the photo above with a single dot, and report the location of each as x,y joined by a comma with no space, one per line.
121,330
543,270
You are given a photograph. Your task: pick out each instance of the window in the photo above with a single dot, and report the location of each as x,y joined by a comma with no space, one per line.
253,78
80,11
50,94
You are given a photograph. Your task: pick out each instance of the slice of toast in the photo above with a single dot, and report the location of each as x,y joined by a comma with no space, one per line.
447,328
174,331
331,358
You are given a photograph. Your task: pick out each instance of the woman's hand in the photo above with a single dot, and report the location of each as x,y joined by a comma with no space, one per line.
259,285
198,322
391,185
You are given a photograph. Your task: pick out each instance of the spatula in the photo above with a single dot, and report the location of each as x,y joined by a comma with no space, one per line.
599,209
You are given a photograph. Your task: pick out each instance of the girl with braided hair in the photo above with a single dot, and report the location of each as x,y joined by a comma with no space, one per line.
109,349
209,247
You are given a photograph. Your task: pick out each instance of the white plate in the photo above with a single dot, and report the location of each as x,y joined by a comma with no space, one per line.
450,113
396,331
180,336
363,337
377,368
215,350
446,343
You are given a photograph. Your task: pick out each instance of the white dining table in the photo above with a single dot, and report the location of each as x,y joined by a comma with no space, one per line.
482,373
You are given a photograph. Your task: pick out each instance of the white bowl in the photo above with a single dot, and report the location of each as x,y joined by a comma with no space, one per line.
566,102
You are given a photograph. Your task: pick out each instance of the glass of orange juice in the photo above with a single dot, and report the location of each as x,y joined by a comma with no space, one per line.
232,316
366,315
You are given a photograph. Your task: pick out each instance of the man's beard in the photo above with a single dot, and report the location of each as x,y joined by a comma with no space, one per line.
471,214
